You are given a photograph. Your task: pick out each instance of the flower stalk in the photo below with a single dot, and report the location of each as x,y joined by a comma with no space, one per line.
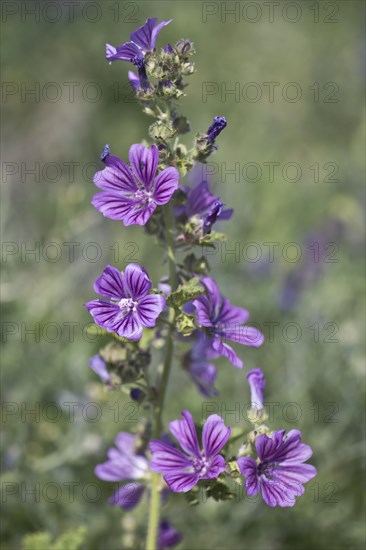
153,522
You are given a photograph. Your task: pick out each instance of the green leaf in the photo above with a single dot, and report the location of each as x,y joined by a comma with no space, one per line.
70,540
219,491
186,292
37,541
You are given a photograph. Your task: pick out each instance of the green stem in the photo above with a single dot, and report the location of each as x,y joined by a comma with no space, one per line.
153,525
152,531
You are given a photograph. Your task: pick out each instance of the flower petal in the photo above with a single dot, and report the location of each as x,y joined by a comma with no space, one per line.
128,496
199,199
215,435
125,442
291,448
205,313
166,458
248,468
110,283
165,185
213,292
185,432
156,31
247,465
104,313
168,536
265,446
144,163
257,383
142,35
181,482
243,334
228,352
134,80
275,495
137,282
98,365
226,214
204,375
124,52
230,314
298,473
217,466
128,326
116,177
149,308
115,206
139,214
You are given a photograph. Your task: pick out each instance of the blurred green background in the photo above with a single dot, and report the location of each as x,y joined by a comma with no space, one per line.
321,372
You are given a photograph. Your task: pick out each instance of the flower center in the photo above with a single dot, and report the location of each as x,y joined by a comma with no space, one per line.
267,470
144,196
127,304
201,465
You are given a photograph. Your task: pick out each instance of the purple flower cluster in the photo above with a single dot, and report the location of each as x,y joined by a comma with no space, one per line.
274,463
183,470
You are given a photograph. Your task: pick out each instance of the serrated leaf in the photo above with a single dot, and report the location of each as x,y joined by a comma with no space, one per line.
186,292
219,491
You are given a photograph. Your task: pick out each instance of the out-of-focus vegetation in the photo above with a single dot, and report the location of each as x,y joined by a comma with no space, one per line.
314,358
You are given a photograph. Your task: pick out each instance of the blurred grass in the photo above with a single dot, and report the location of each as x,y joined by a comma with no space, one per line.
307,373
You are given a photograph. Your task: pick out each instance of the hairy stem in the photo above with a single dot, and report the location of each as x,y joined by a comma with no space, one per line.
153,525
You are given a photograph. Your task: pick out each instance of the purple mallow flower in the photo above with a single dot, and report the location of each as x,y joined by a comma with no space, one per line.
130,306
202,372
204,204
134,80
168,536
257,383
201,202
138,62
131,194
219,123
142,40
280,472
222,320
182,471
99,366
125,464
